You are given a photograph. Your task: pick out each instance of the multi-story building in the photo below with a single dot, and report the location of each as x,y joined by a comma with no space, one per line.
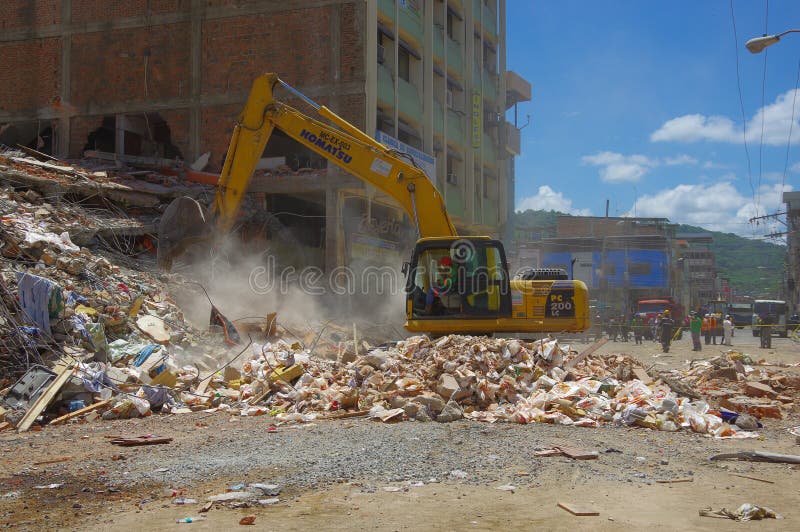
169,78
698,268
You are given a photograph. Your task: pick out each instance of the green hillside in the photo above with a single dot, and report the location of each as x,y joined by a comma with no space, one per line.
754,267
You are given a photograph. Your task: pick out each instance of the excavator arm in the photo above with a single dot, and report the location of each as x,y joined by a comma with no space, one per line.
341,143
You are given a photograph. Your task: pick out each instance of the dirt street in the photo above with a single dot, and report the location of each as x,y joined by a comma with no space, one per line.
361,474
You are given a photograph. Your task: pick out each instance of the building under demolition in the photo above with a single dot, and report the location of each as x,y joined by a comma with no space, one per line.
167,80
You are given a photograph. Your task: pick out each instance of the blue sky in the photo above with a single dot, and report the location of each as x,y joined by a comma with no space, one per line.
638,102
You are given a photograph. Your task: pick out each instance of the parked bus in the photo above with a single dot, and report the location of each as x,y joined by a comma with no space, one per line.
770,307
741,314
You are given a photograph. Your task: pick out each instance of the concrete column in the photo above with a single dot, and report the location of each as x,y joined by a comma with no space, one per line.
505,193
396,70
469,152
427,81
370,68
332,228
61,148
196,81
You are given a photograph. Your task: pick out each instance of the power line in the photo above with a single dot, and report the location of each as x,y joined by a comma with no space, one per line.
791,126
741,106
763,114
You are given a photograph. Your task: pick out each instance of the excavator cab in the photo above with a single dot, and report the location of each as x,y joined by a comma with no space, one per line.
462,285
457,278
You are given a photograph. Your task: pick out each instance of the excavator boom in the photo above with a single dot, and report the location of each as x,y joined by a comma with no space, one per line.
344,145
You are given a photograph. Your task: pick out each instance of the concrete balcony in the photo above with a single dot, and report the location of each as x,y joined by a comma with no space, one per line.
510,138
410,104
489,86
454,200
455,59
489,212
438,44
517,89
489,23
385,87
455,128
438,118
488,151
410,22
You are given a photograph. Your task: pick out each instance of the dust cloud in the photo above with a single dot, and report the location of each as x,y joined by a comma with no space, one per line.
246,283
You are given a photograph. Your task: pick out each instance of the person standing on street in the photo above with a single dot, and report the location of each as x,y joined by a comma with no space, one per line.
766,331
638,326
727,330
665,329
707,328
695,326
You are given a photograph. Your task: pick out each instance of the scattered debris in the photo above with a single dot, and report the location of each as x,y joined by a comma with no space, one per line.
746,512
758,456
147,439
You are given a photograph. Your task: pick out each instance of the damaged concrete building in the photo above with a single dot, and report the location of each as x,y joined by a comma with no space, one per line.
167,79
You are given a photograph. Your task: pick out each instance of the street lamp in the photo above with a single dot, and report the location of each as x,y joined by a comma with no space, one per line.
757,44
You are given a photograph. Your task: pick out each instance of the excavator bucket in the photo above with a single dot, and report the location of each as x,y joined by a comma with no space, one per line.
184,223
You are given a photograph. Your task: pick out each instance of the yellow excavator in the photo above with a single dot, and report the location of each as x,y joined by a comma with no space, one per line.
454,284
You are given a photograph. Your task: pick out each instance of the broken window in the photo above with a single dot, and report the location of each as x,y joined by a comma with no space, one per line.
145,135
37,135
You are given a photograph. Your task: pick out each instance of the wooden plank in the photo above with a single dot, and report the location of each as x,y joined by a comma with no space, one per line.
37,154
548,452
48,166
585,353
674,480
575,509
753,478
80,412
258,398
45,399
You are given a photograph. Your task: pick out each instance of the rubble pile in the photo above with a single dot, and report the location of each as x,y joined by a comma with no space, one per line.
735,382
487,379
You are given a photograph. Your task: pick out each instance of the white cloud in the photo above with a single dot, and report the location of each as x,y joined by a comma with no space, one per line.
549,200
716,206
795,168
680,160
711,165
776,117
618,168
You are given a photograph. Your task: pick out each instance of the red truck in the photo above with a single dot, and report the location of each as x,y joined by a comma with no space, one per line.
650,308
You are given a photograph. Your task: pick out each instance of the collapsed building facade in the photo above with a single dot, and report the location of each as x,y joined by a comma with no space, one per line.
165,80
